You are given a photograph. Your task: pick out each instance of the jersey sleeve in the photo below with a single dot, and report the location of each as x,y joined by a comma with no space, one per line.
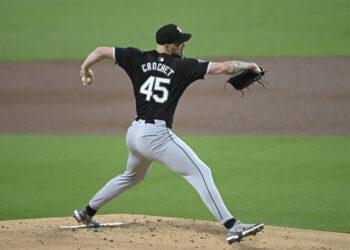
195,69
125,58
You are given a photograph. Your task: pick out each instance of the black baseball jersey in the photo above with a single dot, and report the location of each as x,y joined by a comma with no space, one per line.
159,80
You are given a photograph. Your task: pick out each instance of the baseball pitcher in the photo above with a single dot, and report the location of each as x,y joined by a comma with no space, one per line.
159,78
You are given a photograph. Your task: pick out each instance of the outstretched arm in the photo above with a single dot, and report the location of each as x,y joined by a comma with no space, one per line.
232,67
95,56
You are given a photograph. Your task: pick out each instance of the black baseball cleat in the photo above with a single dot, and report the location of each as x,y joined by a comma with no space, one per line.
81,216
240,230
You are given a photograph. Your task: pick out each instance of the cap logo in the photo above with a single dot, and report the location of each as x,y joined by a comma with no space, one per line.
179,29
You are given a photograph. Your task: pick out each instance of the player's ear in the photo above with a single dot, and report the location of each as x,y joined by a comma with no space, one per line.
167,47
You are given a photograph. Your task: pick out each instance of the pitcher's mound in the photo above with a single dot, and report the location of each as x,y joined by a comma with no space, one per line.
149,232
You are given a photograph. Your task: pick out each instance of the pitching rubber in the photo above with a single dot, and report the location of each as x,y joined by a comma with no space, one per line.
111,224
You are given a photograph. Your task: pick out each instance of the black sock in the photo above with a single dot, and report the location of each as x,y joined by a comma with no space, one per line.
228,224
91,212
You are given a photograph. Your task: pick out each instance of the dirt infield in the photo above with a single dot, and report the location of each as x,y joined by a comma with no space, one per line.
146,232
306,96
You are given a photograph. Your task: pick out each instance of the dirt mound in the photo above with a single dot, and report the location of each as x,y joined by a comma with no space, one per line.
148,232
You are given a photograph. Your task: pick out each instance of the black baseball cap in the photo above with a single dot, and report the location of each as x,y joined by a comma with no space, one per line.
171,33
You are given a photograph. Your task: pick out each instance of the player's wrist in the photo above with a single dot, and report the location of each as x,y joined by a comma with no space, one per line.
84,69
255,68
238,66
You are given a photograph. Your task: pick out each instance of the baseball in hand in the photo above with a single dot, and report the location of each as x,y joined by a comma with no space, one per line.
87,76
86,80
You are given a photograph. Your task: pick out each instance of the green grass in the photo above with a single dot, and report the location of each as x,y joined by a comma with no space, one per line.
69,29
300,182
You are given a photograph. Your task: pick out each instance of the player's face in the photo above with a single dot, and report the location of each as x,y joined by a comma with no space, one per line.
177,49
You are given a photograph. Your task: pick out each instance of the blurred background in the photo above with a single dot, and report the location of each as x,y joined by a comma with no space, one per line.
65,29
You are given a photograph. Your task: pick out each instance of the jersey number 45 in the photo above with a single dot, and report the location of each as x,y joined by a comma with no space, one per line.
154,83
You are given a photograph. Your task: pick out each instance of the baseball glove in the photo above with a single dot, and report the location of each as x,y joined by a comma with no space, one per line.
244,79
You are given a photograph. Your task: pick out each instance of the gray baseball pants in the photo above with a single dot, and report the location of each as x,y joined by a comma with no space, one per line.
155,142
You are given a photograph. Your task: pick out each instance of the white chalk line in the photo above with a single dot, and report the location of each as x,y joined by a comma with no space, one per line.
112,224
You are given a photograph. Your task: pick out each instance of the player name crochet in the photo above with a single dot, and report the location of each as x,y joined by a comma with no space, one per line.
157,67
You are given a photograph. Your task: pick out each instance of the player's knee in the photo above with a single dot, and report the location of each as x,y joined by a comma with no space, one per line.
204,170
135,176
141,177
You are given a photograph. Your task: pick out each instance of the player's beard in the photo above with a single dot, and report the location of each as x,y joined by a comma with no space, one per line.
177,51
177,54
